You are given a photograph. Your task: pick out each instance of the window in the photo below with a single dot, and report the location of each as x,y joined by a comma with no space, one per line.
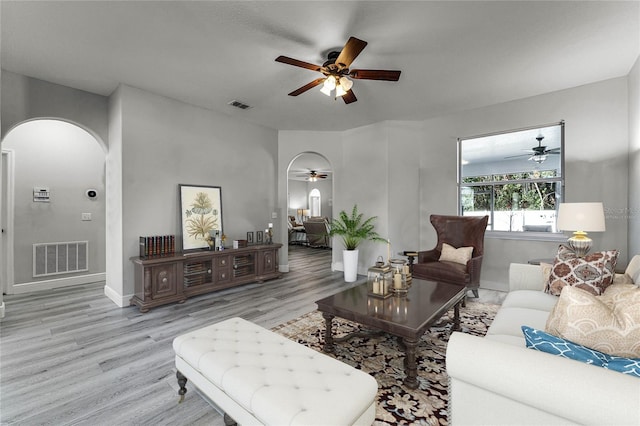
314,202
515,177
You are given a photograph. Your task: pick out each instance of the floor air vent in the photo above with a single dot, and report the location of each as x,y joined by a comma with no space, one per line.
60,258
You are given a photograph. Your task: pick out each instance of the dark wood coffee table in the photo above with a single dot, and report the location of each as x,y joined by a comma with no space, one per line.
407,317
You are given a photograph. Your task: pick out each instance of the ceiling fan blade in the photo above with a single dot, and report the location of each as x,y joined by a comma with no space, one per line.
297,63
521,155
350,51
349,97
307,86
387,75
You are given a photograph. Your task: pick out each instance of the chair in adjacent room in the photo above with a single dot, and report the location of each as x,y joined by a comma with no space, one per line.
457,256
297,233
317,232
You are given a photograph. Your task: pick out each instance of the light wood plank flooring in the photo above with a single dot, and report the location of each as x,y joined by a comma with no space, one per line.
70,356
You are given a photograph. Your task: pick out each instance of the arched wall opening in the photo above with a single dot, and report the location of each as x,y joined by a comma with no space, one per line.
53,206
308,173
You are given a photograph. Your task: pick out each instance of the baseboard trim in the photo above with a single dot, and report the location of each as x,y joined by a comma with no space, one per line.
2,310
57,283
283,268
117,298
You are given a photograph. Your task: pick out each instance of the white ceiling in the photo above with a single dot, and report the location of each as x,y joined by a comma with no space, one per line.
453,55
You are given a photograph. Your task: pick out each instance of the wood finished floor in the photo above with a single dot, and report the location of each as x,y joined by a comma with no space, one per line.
70,356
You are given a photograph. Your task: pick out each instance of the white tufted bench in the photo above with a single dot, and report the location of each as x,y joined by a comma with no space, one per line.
259,377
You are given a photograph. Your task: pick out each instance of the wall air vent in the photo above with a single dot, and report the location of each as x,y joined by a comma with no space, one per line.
239,104
60,258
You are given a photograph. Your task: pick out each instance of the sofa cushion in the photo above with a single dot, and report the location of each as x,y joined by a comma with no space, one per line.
593,272
442,271
508,321
609,323
545,342
458,255
622,279
530,299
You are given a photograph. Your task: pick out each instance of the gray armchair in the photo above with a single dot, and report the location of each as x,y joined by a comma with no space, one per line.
317,230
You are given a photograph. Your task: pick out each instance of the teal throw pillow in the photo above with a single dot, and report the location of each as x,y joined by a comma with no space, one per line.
545,342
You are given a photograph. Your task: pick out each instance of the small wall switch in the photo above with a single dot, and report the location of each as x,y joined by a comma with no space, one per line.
86,216
274,215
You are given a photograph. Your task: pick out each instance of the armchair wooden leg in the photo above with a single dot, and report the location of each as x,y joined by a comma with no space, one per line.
475,293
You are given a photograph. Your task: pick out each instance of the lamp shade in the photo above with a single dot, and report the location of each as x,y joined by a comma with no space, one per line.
587,217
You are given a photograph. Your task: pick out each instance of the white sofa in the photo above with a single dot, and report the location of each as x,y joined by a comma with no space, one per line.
496,380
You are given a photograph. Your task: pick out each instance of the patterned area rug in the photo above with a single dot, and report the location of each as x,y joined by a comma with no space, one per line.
381,357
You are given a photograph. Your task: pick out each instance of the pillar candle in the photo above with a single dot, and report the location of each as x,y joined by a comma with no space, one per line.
397,280
388,250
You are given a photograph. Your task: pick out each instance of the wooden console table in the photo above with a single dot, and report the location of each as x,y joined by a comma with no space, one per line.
168,279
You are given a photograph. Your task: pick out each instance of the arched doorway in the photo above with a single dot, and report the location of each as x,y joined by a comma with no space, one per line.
309,192
53,206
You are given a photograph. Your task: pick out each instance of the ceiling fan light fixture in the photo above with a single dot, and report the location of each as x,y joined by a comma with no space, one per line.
340,90
330,82
326,90
539,158
346,83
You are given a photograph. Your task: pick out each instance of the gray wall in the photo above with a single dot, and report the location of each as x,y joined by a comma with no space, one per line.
633,210
165,143
410,169
68,173
596,163
68,161
398,171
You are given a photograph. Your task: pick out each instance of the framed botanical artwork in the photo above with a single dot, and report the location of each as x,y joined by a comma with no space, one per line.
201,215
249,237
259,237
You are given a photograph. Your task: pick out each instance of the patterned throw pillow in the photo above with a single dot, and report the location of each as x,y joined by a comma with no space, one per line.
457,255
593,273
609,323
545,342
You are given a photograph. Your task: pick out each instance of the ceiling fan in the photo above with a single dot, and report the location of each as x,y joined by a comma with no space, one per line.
313,176
336,72
538,153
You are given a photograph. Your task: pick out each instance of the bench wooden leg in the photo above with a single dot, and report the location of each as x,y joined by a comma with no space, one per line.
182,382
228,421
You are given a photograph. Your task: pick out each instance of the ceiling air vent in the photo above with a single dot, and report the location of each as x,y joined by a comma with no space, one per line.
239,104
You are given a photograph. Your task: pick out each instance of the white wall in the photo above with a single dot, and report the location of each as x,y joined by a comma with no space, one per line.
67,160
290,145
166,143
387,167
596,152
375,168
633,210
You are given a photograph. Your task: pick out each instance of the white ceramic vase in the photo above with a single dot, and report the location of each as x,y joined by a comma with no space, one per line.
350,261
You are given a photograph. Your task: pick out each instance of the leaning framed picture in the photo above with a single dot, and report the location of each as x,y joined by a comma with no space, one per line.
201,215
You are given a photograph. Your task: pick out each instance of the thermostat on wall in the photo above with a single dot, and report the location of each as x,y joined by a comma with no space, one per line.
41,194
91,193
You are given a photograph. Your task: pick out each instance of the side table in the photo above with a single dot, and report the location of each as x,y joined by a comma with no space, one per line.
411,256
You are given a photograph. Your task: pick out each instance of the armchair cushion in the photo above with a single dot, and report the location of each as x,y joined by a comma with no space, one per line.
458,255
442,271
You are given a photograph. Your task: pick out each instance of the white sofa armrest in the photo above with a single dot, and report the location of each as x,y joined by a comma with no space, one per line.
543,385
633,269
525,277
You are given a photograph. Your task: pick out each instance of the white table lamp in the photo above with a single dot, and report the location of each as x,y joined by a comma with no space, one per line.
581,218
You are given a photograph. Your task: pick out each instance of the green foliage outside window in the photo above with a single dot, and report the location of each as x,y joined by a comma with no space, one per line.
516,191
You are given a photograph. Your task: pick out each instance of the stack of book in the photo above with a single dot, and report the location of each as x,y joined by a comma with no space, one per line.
158,245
